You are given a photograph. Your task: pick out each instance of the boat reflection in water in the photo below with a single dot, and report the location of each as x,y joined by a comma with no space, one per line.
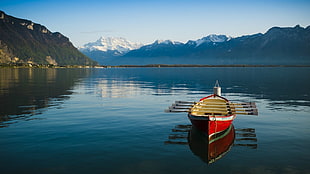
216,148
211,150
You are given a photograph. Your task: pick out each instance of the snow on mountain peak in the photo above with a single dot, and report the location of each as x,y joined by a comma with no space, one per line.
111,43
212,38
163,42
166,42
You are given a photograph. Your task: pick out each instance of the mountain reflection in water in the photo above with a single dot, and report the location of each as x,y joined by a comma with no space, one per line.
24,92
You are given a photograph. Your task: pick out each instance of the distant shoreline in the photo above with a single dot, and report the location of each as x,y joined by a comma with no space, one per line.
139,66
188,65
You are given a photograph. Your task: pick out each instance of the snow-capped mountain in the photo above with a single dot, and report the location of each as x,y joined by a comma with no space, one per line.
119,44
108,47
166,42
160,44
213,38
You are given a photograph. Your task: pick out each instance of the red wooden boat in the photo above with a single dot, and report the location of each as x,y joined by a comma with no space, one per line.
213,114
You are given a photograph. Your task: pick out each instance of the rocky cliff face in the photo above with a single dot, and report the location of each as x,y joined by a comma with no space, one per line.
22,41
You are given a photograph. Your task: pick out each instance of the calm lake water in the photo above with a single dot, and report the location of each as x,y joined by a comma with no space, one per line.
113,120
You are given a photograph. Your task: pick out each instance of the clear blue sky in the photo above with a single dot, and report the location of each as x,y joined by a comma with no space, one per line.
148,20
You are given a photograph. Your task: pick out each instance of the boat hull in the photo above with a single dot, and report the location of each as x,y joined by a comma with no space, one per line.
212,124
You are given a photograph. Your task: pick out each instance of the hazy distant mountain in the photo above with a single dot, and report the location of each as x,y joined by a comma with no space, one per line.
22,41
290,45
108,47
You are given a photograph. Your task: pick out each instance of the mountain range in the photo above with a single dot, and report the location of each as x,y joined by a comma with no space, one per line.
25,42
278,46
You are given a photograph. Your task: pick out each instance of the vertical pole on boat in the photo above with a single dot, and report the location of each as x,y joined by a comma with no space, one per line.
217,88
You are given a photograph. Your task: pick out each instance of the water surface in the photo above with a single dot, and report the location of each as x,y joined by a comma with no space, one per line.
113,120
